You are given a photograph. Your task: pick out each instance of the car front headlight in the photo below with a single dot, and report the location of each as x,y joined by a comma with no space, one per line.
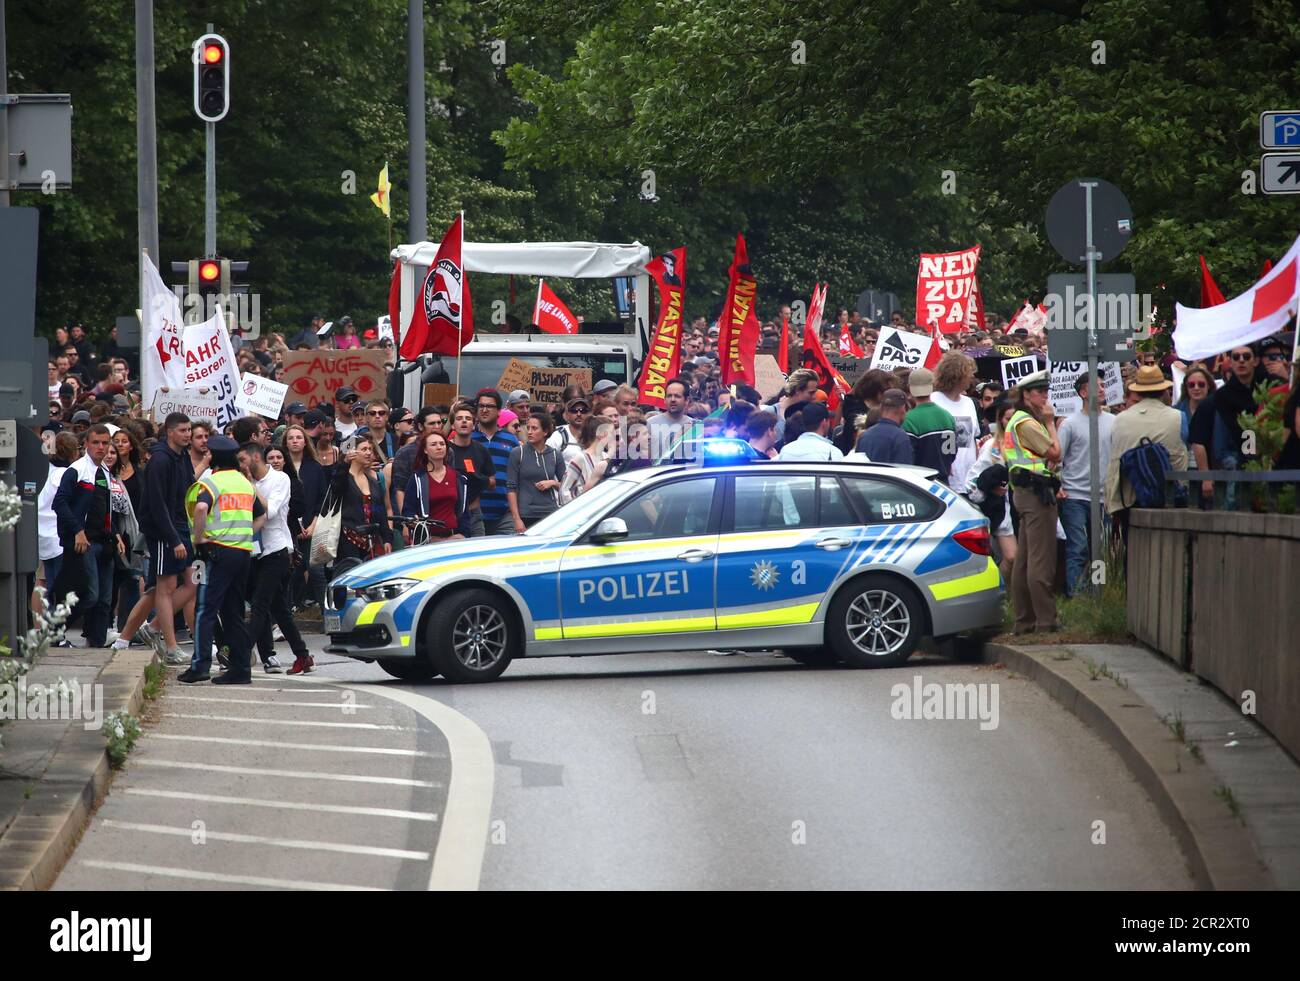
387,590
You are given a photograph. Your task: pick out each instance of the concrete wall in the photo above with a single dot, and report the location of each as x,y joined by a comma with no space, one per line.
1219,594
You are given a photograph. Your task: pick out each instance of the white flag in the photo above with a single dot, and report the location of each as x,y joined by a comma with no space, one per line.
209,363
161,364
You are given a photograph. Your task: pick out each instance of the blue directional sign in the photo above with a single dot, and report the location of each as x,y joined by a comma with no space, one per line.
1279,129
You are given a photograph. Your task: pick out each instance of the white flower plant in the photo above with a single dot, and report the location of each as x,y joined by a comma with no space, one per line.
11,507
48,630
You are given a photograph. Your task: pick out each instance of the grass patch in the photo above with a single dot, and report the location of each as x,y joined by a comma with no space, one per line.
155,676
1175,724
1225,794
1101,613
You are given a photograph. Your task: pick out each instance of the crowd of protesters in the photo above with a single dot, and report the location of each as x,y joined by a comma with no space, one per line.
113,512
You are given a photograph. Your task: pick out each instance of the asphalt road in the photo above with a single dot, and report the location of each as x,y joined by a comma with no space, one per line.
644,771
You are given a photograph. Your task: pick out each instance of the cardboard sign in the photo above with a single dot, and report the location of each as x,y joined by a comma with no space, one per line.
314,376
545,385
435,394
899,349
260,396
768,378
1014,369
194,403
1062,396
851,369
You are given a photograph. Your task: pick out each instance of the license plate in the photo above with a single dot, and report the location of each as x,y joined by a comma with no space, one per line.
333,623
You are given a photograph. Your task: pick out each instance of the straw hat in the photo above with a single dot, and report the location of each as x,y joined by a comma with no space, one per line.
1149,378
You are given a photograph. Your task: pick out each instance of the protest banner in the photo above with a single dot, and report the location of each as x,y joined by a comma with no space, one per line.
900,349
1064,373
1014,369
195,403
768,376
1010,350
161,363
738,326
550,312
442,394
945,289
260,396
210,363
851,369
664,355
314,376
545,384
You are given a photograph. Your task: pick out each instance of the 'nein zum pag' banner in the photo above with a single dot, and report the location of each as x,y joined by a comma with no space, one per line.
738,327
945,289
663,360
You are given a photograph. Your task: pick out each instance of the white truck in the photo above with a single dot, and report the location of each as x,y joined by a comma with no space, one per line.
610,356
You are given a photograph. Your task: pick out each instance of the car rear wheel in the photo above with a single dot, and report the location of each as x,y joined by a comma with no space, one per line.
408,668
472,636
875,622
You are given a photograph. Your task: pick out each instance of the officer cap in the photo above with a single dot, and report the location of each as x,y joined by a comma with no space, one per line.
1039,379
222,444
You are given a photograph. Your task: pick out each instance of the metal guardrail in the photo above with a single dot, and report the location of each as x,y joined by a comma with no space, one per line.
1272,491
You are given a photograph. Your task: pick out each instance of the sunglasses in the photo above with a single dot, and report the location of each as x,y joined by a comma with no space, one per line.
1197,384
579,410
377,412
1243,357
1275,356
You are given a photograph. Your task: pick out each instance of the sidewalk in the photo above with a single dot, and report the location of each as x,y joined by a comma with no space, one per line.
1231,793
53,771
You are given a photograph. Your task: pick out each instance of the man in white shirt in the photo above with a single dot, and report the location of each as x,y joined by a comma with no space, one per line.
670,425
344,425
813,444
1073,433
568,438
272,559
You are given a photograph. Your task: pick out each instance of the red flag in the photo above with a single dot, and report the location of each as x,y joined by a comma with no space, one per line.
814,358
442,322
550,313
783,352
663,359
848,346
1268,268
738,326
1211,295
395,304
946,289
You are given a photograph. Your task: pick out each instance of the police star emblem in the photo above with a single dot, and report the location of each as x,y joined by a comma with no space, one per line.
764,575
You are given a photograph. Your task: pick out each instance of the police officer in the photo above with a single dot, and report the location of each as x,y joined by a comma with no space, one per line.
224,513
1030,449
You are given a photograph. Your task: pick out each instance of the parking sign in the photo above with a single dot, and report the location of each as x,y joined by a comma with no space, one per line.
1279,129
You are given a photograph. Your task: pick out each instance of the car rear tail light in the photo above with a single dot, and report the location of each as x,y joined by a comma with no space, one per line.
975,540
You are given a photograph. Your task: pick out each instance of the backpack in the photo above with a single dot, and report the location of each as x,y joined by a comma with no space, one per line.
1144,467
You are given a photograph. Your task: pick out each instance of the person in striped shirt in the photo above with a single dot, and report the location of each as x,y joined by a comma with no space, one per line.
497,519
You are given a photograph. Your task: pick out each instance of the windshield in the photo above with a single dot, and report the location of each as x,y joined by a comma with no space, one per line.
571,518
484,369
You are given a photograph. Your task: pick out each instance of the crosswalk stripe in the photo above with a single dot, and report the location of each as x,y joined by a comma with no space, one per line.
286,805
317,846
288,774
240,880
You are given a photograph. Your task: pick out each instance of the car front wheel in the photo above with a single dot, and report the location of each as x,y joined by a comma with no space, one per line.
472,636
408,668
875,622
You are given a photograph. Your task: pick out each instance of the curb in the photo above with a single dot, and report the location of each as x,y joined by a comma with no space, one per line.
1218,846
47,828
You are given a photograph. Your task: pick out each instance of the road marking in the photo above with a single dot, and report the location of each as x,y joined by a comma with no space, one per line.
295,774
313,747
458,859
285,804
315,846
259,701
240,880
259,689
288,722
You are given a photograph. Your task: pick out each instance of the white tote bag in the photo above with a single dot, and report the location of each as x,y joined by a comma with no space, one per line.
325,536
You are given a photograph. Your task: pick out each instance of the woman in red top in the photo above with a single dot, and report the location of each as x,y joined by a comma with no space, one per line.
435,491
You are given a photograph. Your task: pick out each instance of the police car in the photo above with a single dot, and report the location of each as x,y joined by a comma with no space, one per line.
848,562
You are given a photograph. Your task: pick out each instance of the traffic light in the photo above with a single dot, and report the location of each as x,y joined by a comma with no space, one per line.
210,277
211,78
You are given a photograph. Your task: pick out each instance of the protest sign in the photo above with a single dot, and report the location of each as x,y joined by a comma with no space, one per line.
545,384
210,363
664,355
1062,395
1014,369
945,289
260,396
768,377
899,349
161,363
314,376
851,369
1010,350
195,403
441,394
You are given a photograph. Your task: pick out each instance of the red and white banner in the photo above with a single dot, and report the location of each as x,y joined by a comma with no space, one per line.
946,289
848,346
209,362
1033,319
1263,309
814,358
903,349
550,313
738,326
443,322
663,360
161,363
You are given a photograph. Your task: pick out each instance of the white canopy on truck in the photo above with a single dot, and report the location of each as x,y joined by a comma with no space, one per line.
576,260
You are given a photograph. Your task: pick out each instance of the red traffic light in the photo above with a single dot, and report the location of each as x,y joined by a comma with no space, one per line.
212,53
209,270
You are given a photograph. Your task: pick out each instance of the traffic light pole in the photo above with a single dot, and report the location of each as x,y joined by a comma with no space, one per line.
145,138
210,195
1093,405
4,114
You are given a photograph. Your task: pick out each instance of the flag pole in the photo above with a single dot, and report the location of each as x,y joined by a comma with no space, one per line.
460,321
537,304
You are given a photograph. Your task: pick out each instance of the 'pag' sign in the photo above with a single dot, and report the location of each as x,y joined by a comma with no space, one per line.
314,376
900,349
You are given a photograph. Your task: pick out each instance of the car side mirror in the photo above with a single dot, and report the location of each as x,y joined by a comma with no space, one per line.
609,530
